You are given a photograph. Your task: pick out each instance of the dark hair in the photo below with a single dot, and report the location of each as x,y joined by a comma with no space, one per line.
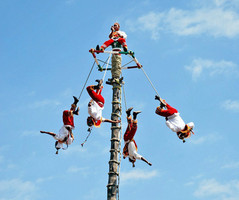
131,160
90,121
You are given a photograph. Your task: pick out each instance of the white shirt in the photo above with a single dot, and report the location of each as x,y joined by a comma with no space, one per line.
122,33
133,154
175,122
95,110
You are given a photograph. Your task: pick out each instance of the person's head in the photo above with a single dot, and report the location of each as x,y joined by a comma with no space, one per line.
116,26
132,161
191,125
73,107
186,133
90,121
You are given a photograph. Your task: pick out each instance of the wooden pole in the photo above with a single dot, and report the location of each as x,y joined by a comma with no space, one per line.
114,163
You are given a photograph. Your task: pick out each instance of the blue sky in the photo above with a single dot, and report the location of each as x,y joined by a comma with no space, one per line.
189,49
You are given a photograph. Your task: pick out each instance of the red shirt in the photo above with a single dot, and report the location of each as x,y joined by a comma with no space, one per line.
68,118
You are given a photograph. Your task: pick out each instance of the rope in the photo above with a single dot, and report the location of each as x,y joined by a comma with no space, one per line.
120,158
127,63
106,66
90,129
120,155
86,80
103,62
150,81
124,98
86,137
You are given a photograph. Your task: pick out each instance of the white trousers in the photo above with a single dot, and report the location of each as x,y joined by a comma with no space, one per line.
133,152
63,133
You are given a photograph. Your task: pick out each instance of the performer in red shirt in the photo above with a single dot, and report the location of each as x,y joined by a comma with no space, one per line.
65,135
96,105
130,148
173,120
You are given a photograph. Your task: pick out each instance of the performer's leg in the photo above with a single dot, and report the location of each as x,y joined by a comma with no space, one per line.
128,111
107,43
123,43
132,130
135,113
128,129
94,95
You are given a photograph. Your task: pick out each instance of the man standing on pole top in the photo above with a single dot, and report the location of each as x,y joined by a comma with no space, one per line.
65,135
96,105
173,120
130,148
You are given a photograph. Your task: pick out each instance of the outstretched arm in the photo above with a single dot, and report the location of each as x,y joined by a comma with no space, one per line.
143,159
111,121
49,133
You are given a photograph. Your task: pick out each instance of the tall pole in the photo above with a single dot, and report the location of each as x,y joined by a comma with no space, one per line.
114,163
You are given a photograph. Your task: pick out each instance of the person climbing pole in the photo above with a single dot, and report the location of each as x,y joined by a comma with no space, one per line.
173,120
96,105
130,148
115,35
65,135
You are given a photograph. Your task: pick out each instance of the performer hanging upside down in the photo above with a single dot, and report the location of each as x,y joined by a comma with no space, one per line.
174,121
115,35
65,135
96,105
130,148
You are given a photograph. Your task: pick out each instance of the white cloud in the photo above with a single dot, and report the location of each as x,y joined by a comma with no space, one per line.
207,138
70,1
75,169
150,22
16,189
231,105
32,93
137,174
212,68
44,103
66,93
30,133
213,188
74,149
226,3
232,165
199,140
43,180
1,159
219,2
215,22
218,20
